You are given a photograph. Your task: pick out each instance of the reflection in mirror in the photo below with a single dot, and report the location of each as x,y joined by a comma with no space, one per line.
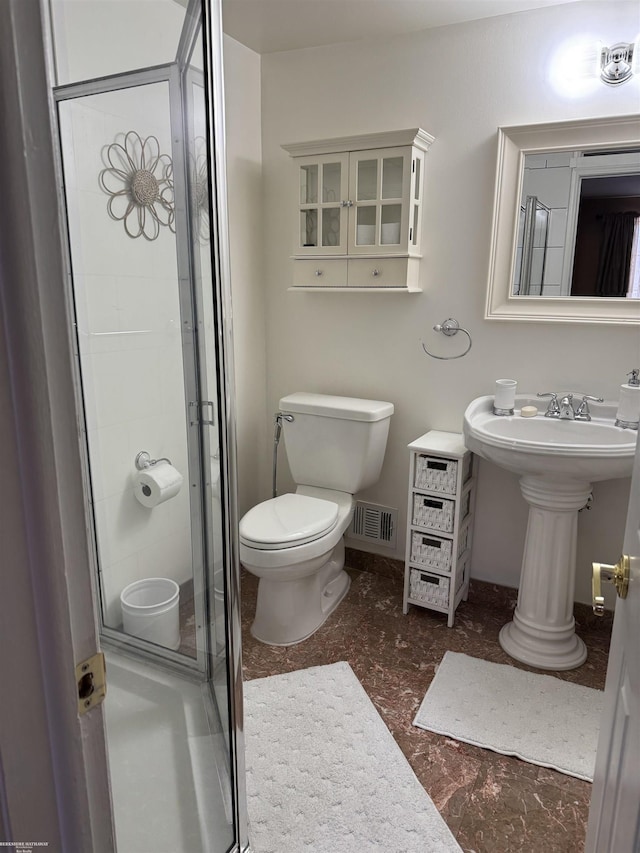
579,225
607,244
546,252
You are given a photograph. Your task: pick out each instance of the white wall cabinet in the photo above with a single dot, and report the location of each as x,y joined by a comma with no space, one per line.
359,211
439,523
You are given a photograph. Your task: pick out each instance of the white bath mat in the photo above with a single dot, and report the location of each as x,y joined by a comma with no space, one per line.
537,718
325,775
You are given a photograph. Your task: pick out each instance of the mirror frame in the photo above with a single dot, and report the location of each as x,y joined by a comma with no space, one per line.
514,143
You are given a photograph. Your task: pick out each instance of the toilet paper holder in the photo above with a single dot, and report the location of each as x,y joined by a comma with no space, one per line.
144,460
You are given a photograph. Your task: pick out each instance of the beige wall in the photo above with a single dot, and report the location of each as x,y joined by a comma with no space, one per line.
243,112
458,83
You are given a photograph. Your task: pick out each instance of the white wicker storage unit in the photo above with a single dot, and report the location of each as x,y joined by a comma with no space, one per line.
439,523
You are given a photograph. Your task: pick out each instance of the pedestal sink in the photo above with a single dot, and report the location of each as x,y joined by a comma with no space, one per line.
557,461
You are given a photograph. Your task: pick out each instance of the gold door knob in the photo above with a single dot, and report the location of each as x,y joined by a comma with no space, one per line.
617,575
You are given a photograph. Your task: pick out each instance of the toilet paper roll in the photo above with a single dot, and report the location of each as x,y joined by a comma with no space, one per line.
157,484
629,405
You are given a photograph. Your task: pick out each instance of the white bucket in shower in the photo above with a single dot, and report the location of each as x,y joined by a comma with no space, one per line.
150,610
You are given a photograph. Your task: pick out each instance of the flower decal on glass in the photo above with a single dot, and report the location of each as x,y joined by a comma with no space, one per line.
199,181
139,182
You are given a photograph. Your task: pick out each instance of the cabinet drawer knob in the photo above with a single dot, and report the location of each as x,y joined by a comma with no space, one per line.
319,272
376,273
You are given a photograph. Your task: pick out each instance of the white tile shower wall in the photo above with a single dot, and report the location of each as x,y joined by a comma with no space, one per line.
550,185
103,37
130,344
548,177
369,345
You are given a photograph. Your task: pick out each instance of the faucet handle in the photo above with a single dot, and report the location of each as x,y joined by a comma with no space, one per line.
553,407
582,412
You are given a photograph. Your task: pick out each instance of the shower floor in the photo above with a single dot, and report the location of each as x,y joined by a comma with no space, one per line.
492,803
167,766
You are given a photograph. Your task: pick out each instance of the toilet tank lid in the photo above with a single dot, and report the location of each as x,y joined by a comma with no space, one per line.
328,406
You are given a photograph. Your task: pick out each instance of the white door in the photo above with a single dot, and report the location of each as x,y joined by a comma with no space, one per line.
614,818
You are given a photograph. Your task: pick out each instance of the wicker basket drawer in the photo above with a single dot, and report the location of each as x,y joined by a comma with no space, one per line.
436,475
437,513
432,589
431,551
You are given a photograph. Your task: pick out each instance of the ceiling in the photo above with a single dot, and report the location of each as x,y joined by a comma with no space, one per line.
267,26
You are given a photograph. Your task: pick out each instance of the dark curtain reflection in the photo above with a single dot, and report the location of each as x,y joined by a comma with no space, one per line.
615,253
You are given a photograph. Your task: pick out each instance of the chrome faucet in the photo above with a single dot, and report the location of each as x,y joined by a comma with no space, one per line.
553,409
564,409
567,412
582,412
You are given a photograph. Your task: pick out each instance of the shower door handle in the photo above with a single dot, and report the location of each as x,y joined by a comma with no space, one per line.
204,421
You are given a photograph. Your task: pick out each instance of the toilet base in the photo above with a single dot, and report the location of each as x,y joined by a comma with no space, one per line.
290,611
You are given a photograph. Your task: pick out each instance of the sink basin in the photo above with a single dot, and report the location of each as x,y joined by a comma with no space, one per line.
581,450
557,461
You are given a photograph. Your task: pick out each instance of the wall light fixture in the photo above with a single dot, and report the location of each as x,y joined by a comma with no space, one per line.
616,63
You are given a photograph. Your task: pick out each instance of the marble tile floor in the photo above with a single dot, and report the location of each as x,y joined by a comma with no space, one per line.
492,803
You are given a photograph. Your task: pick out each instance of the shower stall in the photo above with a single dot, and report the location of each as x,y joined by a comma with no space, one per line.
138,107
533,236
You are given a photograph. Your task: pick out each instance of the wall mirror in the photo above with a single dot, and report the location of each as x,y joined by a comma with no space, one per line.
566,223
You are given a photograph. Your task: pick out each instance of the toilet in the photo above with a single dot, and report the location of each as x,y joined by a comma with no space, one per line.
294,542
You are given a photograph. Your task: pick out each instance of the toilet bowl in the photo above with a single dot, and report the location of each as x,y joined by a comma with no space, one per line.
294,543
301,566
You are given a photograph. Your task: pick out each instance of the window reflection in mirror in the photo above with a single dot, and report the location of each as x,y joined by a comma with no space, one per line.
579,225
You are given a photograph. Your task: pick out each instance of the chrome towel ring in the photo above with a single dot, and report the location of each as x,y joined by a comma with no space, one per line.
448,327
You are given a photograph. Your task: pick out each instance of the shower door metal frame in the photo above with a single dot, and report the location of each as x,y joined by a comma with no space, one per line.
168,73
205,15
221,274
530,209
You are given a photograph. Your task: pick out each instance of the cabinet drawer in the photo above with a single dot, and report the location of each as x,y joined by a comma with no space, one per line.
320,273
433,512
435,551
433,588
430,588
431,551
436,474
378,272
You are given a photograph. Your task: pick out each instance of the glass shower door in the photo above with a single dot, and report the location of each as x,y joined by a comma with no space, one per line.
207,308
134,327
144,263
533,234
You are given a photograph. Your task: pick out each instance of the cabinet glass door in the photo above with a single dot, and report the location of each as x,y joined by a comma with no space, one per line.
415,214
380,183
322,216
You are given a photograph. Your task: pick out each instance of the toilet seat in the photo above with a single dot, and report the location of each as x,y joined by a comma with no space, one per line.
287,521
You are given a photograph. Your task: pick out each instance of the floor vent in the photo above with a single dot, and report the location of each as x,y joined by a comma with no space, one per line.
374,523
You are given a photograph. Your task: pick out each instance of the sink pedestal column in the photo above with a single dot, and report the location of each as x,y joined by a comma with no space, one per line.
542,633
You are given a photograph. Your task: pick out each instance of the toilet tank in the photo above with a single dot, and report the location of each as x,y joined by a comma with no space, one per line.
335,442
